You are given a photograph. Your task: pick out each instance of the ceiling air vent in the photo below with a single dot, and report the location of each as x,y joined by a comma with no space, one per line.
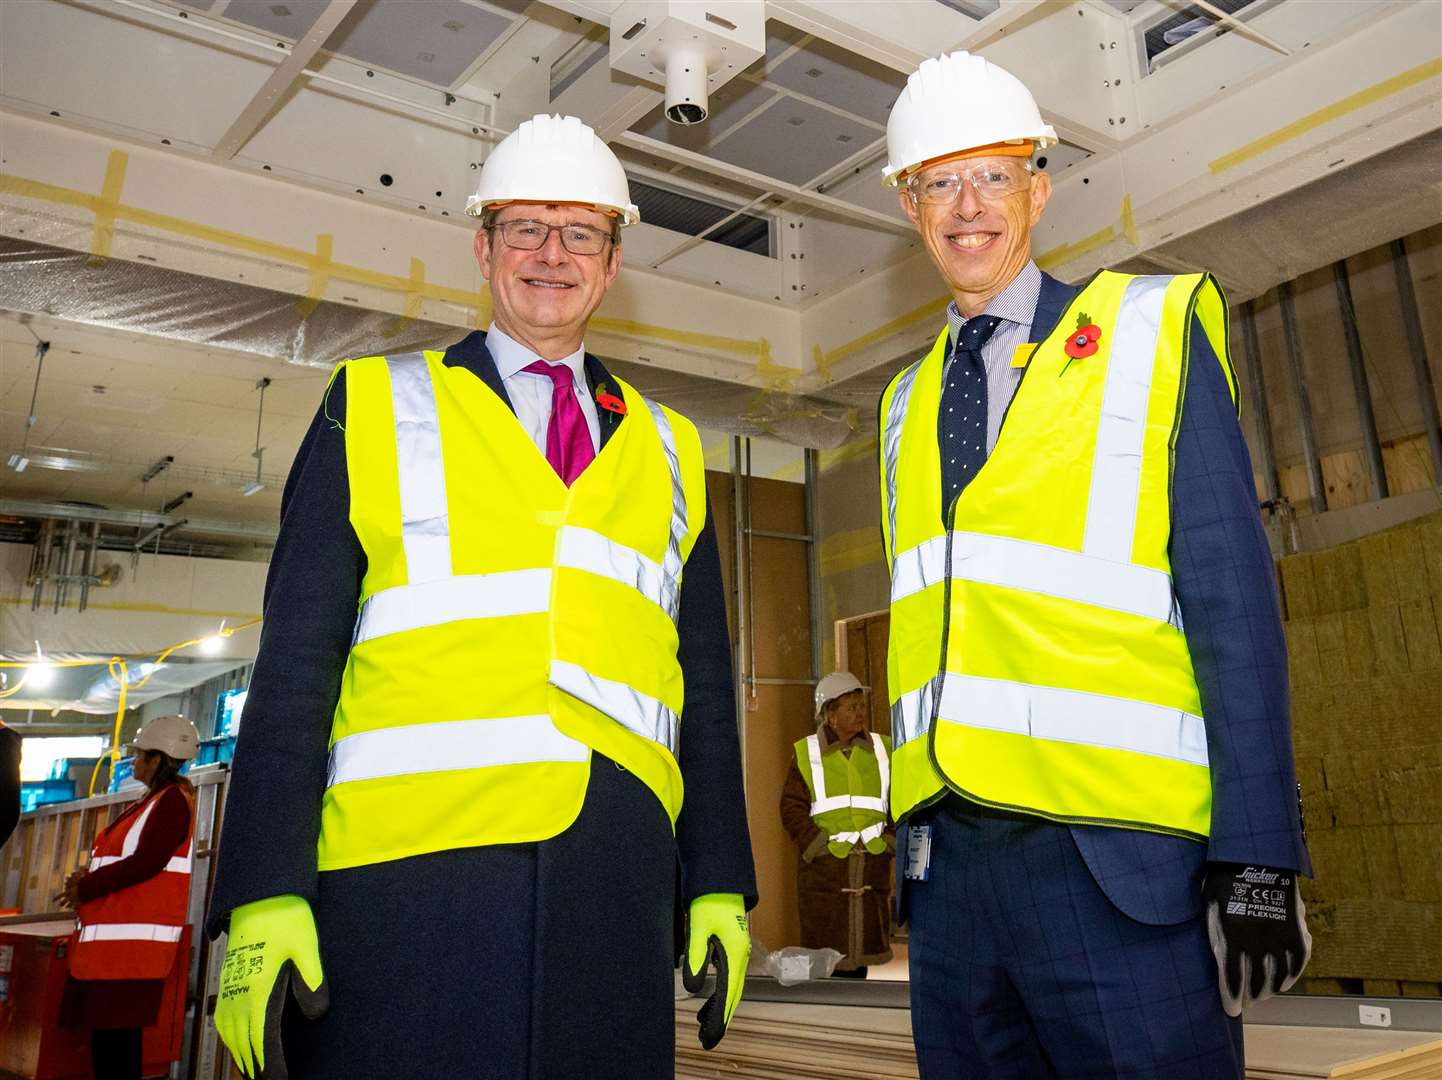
1182,29
692,216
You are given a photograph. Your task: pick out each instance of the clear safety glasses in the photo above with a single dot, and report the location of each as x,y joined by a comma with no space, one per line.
992,180
527,235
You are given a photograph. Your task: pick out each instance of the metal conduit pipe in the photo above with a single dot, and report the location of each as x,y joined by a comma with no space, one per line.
1257,388
1417,345
813,568
1304,404
1376,471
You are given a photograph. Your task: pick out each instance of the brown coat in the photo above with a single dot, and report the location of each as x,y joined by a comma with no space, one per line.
845,903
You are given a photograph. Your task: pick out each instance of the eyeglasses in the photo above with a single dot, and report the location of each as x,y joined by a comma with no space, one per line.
992,180
526,235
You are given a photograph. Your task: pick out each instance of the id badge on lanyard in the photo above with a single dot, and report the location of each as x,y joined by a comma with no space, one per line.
918,852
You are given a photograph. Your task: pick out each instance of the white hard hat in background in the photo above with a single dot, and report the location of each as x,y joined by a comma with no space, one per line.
837,684
173,735
959,102
554,159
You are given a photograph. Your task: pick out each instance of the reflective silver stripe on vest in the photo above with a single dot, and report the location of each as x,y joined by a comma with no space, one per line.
584,549
469,596
672,563
448,745
1074,716
891,444
425,524
176,864
918,567
1068,575
630,708
130,931
911,712
825,803
1111,515
871,832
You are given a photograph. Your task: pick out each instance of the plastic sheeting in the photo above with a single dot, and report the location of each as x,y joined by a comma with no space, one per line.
143,298
92,689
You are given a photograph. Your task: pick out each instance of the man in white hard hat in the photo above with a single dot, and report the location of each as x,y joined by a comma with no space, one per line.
1103,838
454,842
833,805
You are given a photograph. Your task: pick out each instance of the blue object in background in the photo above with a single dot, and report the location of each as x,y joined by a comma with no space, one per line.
227,712
35,793
120,772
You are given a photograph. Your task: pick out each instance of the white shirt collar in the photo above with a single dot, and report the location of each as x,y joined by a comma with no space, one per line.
511,356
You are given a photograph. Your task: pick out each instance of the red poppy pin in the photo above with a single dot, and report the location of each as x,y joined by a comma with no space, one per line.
610,402
1083,340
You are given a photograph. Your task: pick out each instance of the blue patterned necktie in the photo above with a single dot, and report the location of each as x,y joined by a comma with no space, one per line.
961,426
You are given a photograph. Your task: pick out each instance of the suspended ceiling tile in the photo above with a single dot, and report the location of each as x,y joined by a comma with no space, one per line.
283,18
1063,155
197,5
434,42
980,9
850,82
793,141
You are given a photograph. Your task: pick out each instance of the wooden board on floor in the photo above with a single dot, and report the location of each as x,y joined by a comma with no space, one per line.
783,1041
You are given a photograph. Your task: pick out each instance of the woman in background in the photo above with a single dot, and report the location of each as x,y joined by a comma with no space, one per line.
132,902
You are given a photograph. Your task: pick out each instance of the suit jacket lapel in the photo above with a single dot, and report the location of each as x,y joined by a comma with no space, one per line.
597,375
1050,303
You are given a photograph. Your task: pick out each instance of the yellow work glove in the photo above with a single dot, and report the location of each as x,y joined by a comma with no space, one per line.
718,931
272,950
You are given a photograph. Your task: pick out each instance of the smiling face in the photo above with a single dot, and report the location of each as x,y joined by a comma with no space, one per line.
979,245
544,298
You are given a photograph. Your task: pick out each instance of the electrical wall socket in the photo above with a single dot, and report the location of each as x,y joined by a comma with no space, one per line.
1374,1016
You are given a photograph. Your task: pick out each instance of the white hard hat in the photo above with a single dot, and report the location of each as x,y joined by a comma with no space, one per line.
837,684
959,102
554,159
173,735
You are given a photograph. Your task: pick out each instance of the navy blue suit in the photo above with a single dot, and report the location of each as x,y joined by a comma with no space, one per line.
1079,950
505,958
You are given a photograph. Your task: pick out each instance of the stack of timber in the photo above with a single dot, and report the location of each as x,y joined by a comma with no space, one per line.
1275,1052
1366,668
783,1041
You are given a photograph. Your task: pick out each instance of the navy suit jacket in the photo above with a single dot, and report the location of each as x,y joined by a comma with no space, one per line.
1225,586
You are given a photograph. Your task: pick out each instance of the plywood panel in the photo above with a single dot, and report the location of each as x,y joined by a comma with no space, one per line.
877,628
780,716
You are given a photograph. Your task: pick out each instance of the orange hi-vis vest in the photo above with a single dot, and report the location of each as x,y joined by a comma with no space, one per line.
134,933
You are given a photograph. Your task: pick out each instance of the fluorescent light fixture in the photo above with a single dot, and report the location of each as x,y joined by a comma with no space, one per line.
39,676
252,487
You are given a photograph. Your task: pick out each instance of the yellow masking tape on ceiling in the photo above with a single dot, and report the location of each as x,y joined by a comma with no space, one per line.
885,330
106,205
1129,223
116,211
319,275
759,348
774,377
1385,88
850,550
414,297
1066,252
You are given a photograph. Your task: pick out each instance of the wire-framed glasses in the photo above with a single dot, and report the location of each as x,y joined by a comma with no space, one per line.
527,235
992,180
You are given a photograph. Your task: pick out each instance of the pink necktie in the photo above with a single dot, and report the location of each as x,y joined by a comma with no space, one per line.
568,439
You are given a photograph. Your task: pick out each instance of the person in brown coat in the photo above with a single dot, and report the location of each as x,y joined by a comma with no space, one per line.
835,811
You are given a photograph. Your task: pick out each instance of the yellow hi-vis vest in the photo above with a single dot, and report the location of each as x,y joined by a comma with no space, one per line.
1037,661
508,625
848,793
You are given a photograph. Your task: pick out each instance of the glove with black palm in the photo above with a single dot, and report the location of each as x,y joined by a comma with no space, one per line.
1257,925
